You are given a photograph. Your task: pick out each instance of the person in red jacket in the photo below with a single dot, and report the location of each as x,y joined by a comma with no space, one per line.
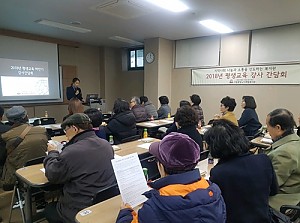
181,194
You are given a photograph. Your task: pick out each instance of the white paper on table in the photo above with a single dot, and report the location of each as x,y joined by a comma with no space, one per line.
266,140
131,179
117,156
150,124
145,145
43,170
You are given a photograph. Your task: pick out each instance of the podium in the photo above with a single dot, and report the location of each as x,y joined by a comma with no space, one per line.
98,103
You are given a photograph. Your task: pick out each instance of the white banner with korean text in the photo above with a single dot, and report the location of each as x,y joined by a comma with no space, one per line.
252,74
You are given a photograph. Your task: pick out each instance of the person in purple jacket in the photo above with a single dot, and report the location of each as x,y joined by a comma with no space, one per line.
181,194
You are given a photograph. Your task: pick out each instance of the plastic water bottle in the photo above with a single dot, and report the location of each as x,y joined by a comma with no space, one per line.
111,140
145,134
145,170
46,114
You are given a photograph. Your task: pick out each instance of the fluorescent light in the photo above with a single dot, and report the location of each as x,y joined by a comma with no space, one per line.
216,26
125,40
62,26
171,5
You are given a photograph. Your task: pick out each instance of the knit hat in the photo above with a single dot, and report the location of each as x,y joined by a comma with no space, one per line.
78,118
176,152
16,113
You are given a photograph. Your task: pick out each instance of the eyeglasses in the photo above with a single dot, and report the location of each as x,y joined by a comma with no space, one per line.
65,130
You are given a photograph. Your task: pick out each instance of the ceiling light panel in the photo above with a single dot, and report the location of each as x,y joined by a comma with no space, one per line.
171,5
62,26
216,26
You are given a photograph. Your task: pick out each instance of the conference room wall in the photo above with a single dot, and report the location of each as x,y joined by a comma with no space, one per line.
118,82
234,51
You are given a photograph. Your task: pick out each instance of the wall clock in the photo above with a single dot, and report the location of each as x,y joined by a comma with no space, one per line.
150,57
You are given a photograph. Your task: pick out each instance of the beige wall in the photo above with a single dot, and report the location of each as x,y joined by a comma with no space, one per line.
234,51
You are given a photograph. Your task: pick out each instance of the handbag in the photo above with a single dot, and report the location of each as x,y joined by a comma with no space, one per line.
278,217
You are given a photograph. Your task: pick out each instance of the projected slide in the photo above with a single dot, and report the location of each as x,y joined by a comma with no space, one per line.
24,78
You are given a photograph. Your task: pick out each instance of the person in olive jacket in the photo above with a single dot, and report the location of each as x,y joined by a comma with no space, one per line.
285,156
19,151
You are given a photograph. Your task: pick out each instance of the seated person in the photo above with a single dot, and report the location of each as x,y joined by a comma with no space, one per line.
196,100
3,129
181,194
249,120
186,120
227,107
83,167
96,117
19,151
138,110
164,110
285,157
246,180
75,106
122,123
173,127
149,107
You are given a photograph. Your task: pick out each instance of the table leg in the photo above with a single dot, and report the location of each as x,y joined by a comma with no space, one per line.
28,204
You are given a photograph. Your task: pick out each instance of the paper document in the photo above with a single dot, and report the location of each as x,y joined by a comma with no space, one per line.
150,124
131,179
43,170
145,145
266,140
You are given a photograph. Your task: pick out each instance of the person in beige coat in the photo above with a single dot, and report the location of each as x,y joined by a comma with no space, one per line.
32,146
285,157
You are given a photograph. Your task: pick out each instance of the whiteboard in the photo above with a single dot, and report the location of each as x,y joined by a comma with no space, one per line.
197,52
277,44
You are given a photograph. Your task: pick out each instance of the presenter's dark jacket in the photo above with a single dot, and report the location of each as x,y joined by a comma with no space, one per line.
249,122
3,129
246,183
121,126
184,197
33,145
191,131
84,167
71,93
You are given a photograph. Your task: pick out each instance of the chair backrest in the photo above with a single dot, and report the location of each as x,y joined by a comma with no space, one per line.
106,193
150,163
34,161
292,211
131,138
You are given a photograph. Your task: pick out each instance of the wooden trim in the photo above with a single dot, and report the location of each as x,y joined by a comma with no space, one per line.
29,36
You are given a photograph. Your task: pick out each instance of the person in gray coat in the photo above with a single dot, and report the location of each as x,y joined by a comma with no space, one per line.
164,110
83,167
150,108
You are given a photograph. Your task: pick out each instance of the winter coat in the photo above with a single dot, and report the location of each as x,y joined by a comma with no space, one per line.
121,126
33,145
83,167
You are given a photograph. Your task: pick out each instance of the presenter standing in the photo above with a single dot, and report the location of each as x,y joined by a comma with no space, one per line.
74,91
